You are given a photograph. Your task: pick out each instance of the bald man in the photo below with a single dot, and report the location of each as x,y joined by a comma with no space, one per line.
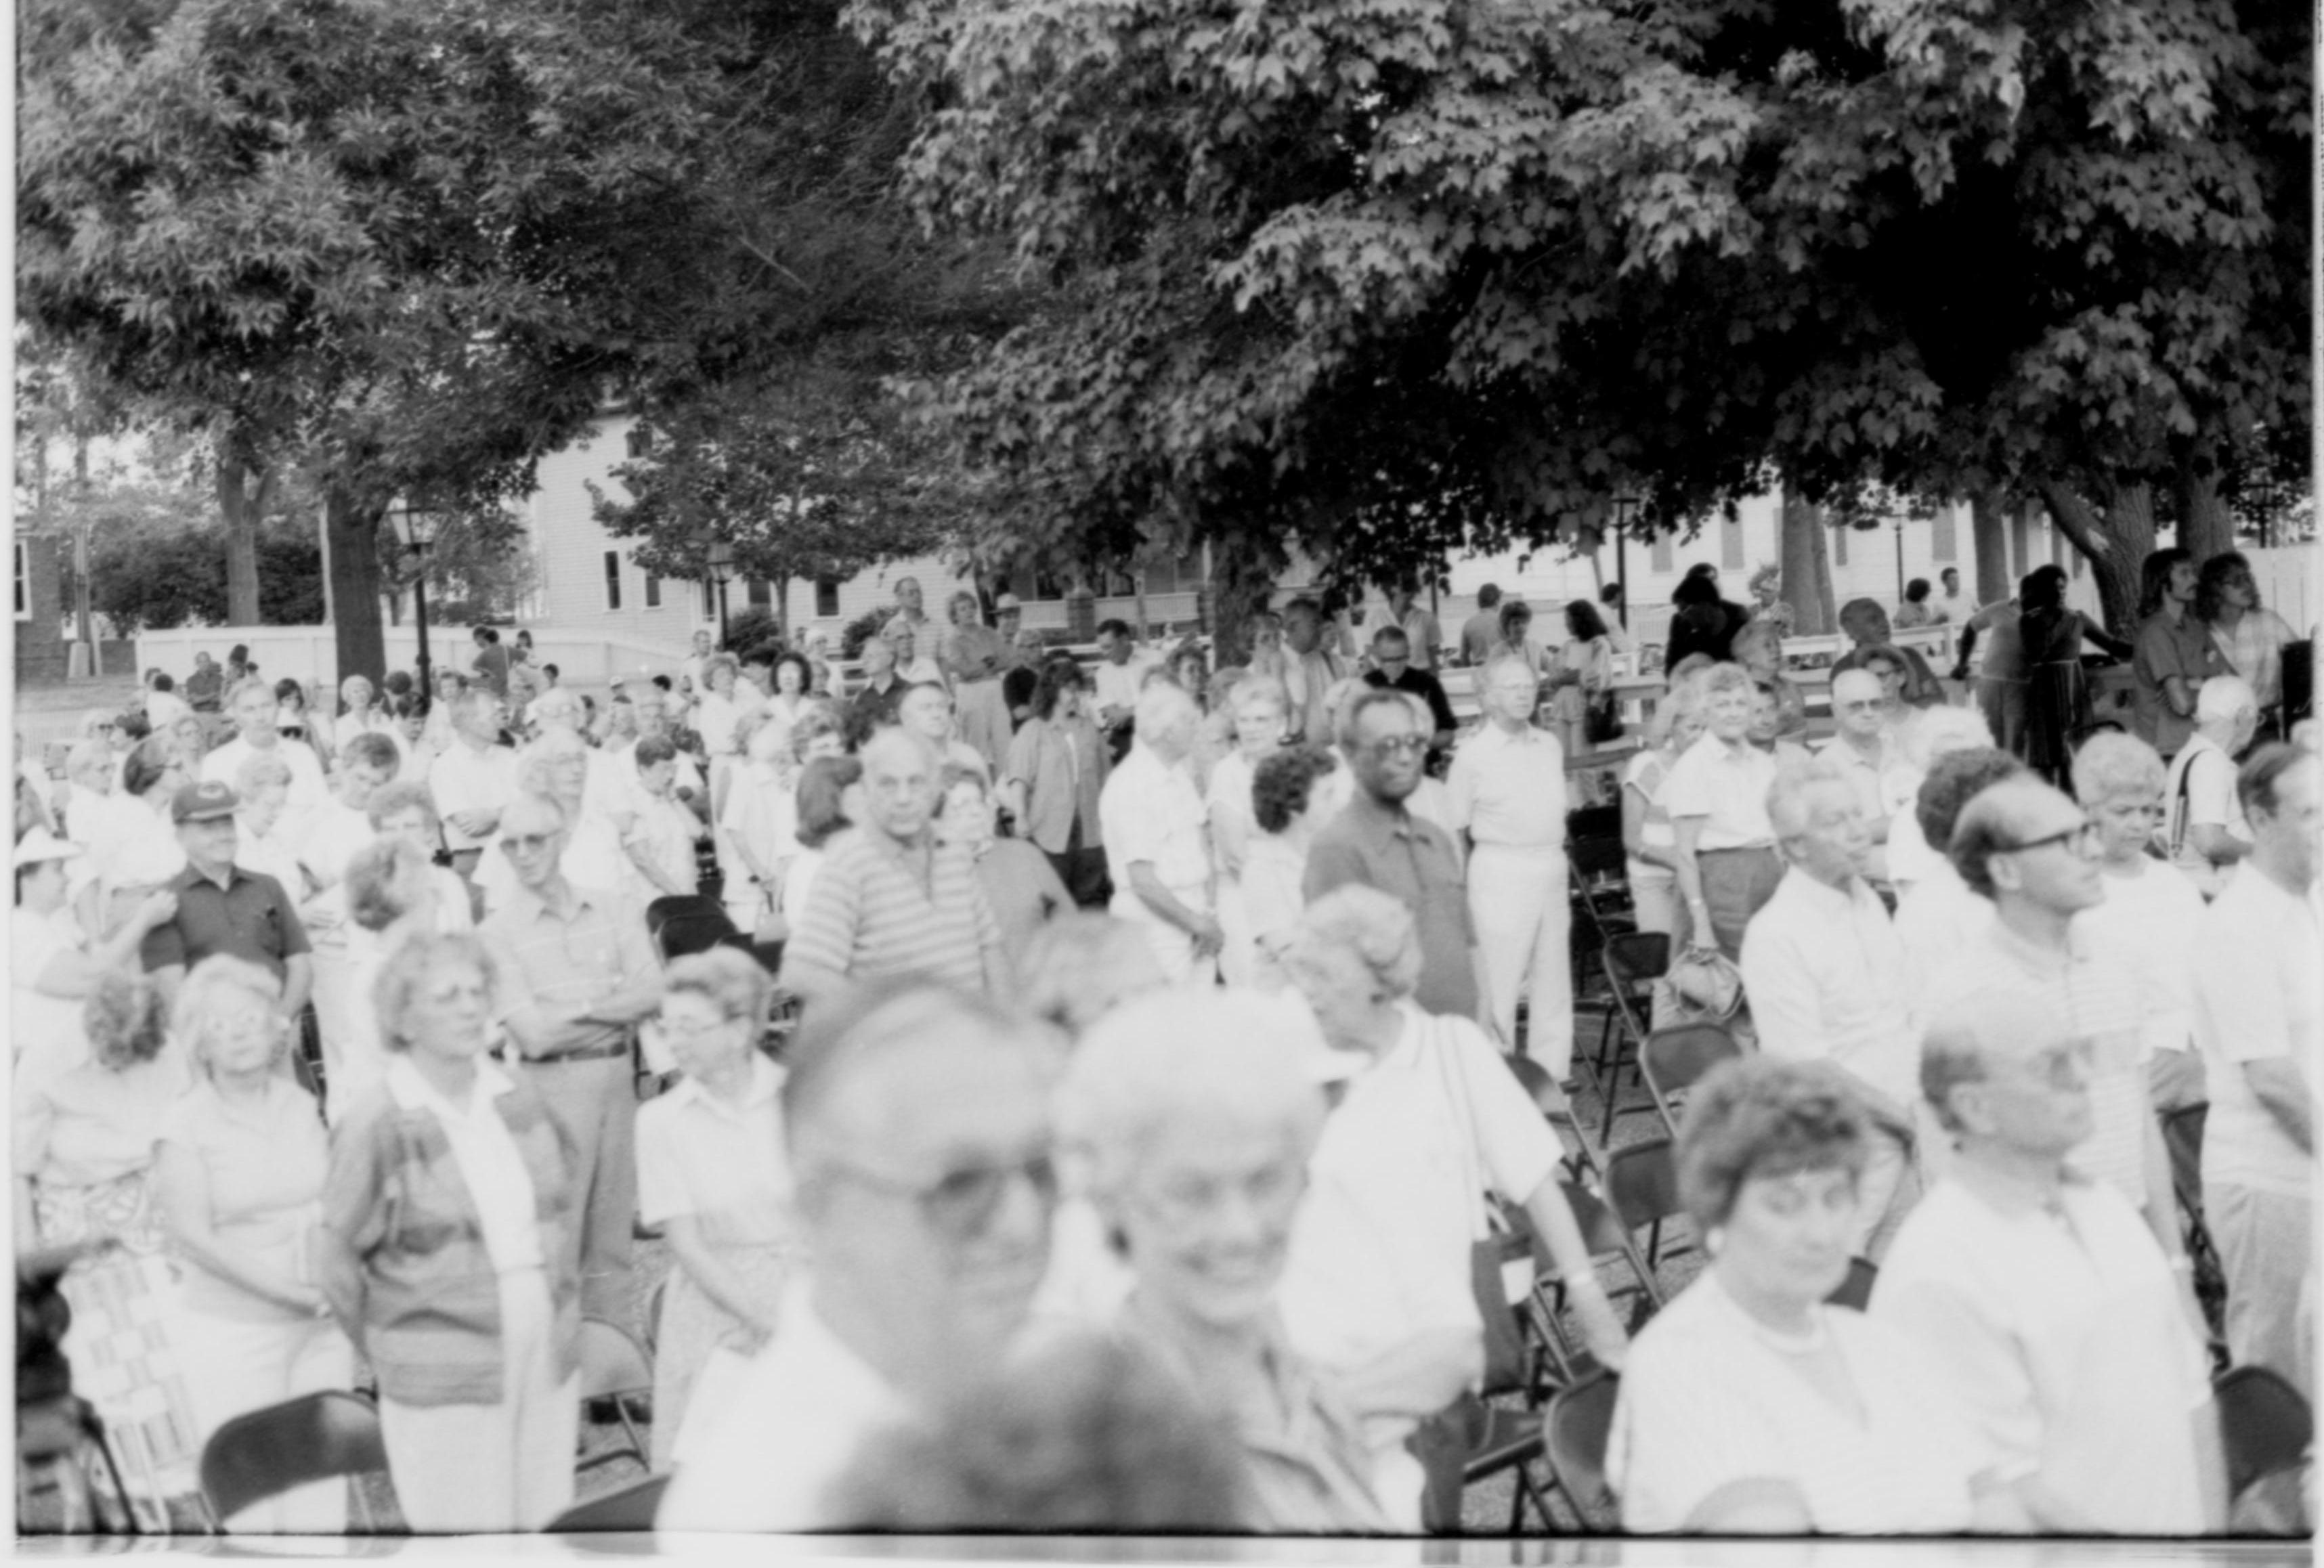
891,901
1825,974
1157,834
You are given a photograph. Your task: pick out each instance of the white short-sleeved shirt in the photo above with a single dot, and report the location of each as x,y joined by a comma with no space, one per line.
465,779
1273,900
2206,775
1938,918
141,850
1507,788
1706,1401
2062,1333
1879,781
307,788
1825,973
1648,773
1151,811
33,1015
2259,996
1232,814
1910,859
2149,919
1727,784
722,1165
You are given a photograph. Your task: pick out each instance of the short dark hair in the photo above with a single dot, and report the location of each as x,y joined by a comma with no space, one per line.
1059,674
286,688
1611,593
792,656
1953,781
398,682
149,759
162,681
1113,626
1389,632
1488,596
1979,833
2155,577
1916,590
550,670
652,750
821,784
1582,621
1280,784
373,750
134,724
662,681
1763,1116
1695,590
2256,781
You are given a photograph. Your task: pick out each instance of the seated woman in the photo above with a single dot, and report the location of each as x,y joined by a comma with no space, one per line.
1759,649
1430,1122
1919,742
710,1168
240,1174
1649,850
1190,1116
1750,1407
50,975
443,1254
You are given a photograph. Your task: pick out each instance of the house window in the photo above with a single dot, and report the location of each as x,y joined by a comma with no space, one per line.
1662,559
653,592
640,440
1730,543
1942,545
827,596
762,593
612,579
23,584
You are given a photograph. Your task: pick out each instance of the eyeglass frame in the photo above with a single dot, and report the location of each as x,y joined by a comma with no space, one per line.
2087,833
969,1213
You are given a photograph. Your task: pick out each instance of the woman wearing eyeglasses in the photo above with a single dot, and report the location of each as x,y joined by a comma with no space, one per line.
1188,1118
444,1214
711,1170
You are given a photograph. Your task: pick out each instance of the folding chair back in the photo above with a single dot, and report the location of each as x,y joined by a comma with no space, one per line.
1631,961
615,1367
630,1510
1856,1290
2265,1425
1575,1431
1642,1189
1673,1060
1555,1107
267,1453
684,924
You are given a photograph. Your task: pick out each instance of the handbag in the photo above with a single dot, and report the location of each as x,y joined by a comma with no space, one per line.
1601,717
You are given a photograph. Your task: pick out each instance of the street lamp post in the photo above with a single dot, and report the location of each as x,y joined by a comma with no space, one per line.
718,560
415,529
1624,505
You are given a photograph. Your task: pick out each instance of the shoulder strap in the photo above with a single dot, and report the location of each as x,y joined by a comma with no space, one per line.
1435,1038
2183,764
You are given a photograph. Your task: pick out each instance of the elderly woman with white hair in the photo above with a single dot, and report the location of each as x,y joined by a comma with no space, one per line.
1187,1118
2204,831
1922,736
240,1174
1723,851
267,841
2152,910
1431,1122
1649,849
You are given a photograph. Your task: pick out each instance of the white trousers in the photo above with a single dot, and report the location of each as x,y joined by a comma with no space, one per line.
497,1469
233,1367
1517,898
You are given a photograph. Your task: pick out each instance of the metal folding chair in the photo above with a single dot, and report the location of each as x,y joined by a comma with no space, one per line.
1674,1059
1632,962
1557,1110
2265,1426
1575,1433
1609,1243
630,1511
1642,1189
616,1369
267,1453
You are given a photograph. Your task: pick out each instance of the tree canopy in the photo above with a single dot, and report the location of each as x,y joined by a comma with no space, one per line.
1399,276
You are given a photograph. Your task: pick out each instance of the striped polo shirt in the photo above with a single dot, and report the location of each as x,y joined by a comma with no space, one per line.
871,917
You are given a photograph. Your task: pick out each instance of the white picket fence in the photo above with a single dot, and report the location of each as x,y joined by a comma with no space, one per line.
310,653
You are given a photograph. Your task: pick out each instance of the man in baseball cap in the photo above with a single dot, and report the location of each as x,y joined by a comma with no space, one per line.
223,907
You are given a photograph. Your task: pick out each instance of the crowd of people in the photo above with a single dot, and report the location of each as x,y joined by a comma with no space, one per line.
1093,1107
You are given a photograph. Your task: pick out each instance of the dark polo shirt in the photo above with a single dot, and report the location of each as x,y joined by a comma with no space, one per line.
1423,686
250,917
1413,862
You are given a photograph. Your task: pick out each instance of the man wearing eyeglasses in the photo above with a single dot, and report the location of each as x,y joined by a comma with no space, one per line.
2032,852
1376,840
1395,666
2050,1311
917,1120
576,973
1826,976
1862,752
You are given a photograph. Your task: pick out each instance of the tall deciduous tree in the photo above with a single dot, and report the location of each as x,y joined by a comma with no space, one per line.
1315,261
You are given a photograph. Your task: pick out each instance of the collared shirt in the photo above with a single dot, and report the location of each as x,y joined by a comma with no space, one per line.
1825,974
762,1454
471,778
251,916
2097,990
871,914
2200,790
2257,998
1153,813
1308,678
79,1124
265,1166
307,788
1878,779
566,963
486,1153
1118,684
1728,786
1412,860
1420,629
1938,919
2150,918
722,1165
2062,1334
1706,1402
1509,788
1416,680
1478,632
2164,647
1062,766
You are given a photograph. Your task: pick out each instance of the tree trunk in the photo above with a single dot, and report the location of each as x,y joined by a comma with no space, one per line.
353,528
2205,526
240,509
1989,540
781,589
1240,586
2116,544
1807,569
